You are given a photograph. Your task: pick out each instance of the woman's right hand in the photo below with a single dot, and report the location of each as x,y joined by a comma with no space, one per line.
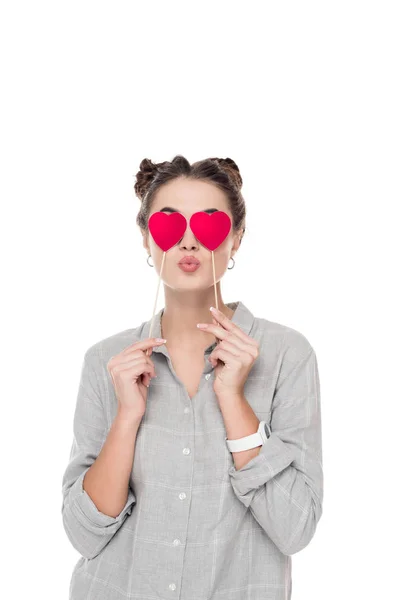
131,371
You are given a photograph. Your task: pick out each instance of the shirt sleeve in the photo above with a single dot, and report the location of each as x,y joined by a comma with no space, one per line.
283,484
87,528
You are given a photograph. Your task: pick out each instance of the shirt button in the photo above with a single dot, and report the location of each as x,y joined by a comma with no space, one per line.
172,586
182,495
186,409
186,451
207,376
176,542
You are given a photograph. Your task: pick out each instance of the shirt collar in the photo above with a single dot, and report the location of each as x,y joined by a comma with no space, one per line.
242,317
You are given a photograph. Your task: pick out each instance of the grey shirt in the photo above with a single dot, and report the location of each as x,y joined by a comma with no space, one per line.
194,527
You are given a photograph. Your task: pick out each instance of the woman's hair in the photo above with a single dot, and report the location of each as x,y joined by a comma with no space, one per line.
222,172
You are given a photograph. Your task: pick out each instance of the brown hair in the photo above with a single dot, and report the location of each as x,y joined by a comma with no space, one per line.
222,172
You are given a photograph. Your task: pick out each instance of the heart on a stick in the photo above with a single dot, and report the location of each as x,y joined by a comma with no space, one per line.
210,229
167,230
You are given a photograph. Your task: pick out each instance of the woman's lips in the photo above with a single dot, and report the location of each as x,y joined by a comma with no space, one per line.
189,267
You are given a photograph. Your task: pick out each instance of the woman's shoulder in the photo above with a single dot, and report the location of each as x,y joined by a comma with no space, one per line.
280,339
104,348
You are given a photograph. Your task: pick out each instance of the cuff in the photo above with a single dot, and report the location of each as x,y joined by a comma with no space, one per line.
80,499
274,456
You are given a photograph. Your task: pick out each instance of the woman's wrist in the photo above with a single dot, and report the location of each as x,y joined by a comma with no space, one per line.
129,417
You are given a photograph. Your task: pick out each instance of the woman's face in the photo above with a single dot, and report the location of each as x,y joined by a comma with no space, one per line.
189,196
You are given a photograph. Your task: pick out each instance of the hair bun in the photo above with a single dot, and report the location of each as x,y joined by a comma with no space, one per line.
147,171
229,165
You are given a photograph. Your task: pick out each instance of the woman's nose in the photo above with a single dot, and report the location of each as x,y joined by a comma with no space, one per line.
189,239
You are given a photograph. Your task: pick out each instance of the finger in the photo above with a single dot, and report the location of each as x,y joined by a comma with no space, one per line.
232,348
133,369
126,359
123,358
143,345
136,367
225,356
230,326
231,337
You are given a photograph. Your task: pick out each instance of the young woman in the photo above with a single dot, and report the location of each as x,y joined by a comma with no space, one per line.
196,465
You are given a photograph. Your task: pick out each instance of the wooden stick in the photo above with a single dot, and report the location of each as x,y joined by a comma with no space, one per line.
215,285
215,292
155,303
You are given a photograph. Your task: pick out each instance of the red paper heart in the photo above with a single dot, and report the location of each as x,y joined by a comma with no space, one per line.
210,229
167,230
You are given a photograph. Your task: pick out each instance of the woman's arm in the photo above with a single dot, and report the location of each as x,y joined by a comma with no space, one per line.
107,480
97,497
283,484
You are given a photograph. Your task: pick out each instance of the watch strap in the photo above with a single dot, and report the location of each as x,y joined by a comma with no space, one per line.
250,441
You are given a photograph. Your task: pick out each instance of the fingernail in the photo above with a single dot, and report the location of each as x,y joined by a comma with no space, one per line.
160,340
202,325
213,309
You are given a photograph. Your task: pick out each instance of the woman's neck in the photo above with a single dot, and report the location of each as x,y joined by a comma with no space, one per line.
179,323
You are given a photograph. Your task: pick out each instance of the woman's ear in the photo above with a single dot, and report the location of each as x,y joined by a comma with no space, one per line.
237,240
146,241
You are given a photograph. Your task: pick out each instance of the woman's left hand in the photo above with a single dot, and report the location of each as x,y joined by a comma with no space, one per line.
232,358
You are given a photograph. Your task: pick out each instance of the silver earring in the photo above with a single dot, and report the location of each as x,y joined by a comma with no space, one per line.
148,261
231,258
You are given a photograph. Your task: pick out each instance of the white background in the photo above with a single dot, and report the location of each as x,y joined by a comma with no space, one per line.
304,96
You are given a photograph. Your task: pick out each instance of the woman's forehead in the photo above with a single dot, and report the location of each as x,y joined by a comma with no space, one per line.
189,196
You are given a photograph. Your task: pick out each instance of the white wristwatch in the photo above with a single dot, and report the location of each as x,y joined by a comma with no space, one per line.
250,441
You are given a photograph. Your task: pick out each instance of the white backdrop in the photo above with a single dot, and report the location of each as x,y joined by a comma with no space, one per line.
304,96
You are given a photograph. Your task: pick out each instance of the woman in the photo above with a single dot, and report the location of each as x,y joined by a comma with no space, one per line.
159,497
